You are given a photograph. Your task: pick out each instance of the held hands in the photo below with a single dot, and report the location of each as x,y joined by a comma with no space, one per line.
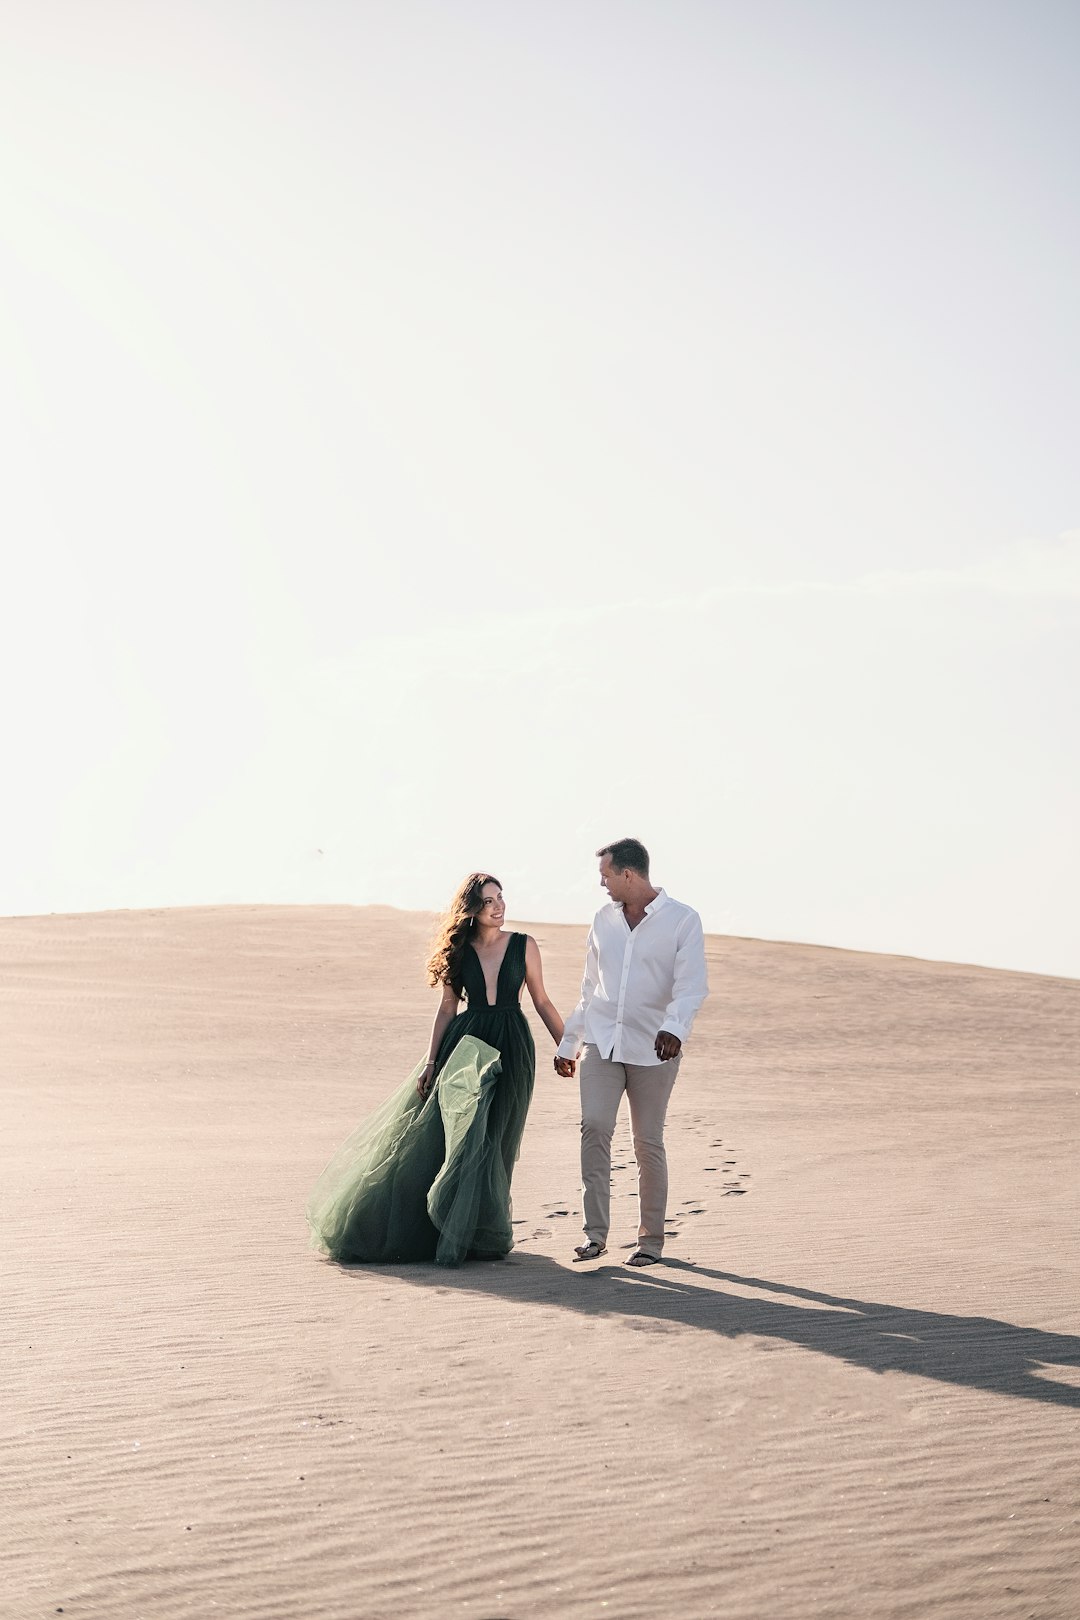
667,1047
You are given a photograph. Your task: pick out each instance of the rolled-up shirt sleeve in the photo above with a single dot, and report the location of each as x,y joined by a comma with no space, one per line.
691,979
574,1028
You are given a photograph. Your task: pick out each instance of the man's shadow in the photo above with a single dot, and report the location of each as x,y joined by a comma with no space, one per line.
972,1352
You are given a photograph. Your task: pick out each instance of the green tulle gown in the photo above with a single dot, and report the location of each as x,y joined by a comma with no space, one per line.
430,1180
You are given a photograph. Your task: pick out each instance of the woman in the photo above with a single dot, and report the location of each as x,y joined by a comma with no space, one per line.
427,1176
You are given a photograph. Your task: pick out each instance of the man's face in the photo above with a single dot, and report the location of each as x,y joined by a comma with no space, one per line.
616,883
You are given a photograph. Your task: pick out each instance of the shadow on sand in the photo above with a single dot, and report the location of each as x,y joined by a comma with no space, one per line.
971,1352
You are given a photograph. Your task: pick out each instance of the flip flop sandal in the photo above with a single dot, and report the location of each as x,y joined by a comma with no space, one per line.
589,1251
640,1258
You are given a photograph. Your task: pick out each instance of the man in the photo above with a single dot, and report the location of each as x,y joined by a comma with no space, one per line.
644,981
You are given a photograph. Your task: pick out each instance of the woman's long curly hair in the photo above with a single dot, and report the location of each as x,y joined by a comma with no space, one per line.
448,948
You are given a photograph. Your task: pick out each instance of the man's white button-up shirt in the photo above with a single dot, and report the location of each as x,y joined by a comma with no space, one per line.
638,981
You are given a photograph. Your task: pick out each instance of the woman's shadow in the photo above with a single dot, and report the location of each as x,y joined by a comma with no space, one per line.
973,1352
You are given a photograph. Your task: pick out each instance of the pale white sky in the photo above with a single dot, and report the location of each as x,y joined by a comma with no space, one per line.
458,434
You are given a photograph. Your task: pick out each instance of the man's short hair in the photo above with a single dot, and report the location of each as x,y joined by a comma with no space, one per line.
627,854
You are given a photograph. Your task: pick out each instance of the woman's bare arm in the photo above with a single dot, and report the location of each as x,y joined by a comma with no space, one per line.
534,979
444,1017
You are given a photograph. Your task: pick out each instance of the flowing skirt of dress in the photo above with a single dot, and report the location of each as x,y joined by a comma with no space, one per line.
429,1179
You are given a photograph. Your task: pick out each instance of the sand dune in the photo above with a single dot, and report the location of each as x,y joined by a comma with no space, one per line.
854,1390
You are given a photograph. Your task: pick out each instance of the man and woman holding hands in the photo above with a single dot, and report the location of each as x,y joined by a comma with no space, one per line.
427,1176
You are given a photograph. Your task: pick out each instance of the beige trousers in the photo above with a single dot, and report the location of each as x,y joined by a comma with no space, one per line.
647,1088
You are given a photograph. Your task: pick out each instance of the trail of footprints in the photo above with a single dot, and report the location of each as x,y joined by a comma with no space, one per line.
726,1167
730,1186
552,1212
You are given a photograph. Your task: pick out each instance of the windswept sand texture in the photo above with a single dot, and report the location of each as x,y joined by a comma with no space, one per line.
854,1391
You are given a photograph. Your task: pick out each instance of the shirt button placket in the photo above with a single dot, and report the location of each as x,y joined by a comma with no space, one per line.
617,1053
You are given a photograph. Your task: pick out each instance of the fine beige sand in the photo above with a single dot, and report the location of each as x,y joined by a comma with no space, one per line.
853,1392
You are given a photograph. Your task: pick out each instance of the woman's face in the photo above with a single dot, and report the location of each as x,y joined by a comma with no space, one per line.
492,906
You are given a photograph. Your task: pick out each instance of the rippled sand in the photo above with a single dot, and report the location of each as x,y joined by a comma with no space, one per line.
853,1392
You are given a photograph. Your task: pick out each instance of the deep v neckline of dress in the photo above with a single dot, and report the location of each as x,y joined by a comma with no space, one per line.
498,972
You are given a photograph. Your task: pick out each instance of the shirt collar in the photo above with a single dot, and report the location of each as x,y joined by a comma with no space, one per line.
662,899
